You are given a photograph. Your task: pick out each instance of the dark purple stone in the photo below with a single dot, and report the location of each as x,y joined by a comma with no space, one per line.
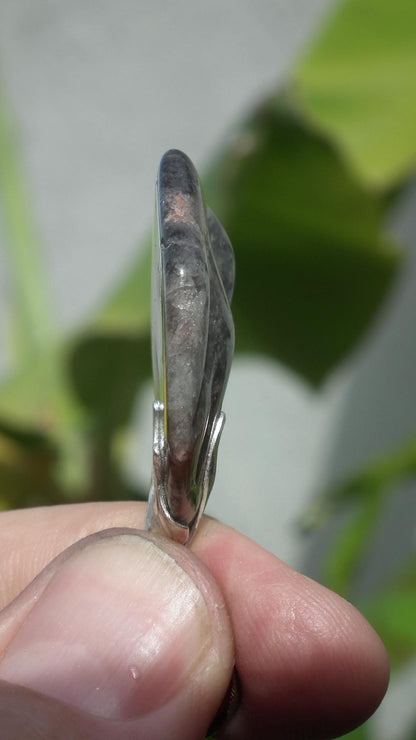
193,331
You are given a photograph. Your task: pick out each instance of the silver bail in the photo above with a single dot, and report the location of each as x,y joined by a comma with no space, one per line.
192,347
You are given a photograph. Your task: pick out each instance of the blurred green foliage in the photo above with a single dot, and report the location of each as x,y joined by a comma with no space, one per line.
303,186
323,261
356,84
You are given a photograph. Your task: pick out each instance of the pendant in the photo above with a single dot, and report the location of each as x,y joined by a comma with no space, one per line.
192,347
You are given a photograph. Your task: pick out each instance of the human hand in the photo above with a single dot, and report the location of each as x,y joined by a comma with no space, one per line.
125,636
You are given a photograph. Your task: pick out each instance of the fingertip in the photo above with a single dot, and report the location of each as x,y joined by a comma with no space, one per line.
337,663
309,663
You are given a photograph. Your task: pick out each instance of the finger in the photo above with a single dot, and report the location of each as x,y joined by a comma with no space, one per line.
124,634
309,663
306,658
31,538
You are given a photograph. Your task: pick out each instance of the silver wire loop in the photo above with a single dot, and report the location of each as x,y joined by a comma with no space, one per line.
159,518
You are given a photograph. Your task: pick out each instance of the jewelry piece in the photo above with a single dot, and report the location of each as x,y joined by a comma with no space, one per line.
192,346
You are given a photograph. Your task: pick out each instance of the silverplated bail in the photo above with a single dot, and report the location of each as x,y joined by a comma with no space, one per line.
192,348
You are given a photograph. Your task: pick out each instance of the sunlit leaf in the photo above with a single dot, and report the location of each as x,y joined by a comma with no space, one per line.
358,84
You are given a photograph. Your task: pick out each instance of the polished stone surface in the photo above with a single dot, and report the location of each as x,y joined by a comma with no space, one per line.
193,332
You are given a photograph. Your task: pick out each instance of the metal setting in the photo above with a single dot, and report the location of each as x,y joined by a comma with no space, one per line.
192,347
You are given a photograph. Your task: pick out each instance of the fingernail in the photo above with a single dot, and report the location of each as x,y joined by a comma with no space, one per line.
117,631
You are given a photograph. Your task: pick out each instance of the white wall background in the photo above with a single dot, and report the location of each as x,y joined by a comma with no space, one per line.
100,89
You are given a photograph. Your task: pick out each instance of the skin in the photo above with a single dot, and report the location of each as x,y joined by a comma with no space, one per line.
310,665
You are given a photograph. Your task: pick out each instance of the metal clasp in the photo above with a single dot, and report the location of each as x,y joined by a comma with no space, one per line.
159,517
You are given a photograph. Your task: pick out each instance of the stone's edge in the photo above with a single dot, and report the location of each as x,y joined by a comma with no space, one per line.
197,273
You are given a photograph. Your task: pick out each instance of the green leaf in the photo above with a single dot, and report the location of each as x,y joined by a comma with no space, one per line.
107,366
348,551
65,411
365,493
106,373
111,358
127,309
357,83
39,411
36,398
31,317
361,733
78,395
392,614
313,261
313,264
27,461
378,475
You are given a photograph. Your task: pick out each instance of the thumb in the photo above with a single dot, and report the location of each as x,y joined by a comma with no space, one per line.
123,635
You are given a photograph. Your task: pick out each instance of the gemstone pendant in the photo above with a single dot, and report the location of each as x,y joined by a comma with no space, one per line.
192,344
